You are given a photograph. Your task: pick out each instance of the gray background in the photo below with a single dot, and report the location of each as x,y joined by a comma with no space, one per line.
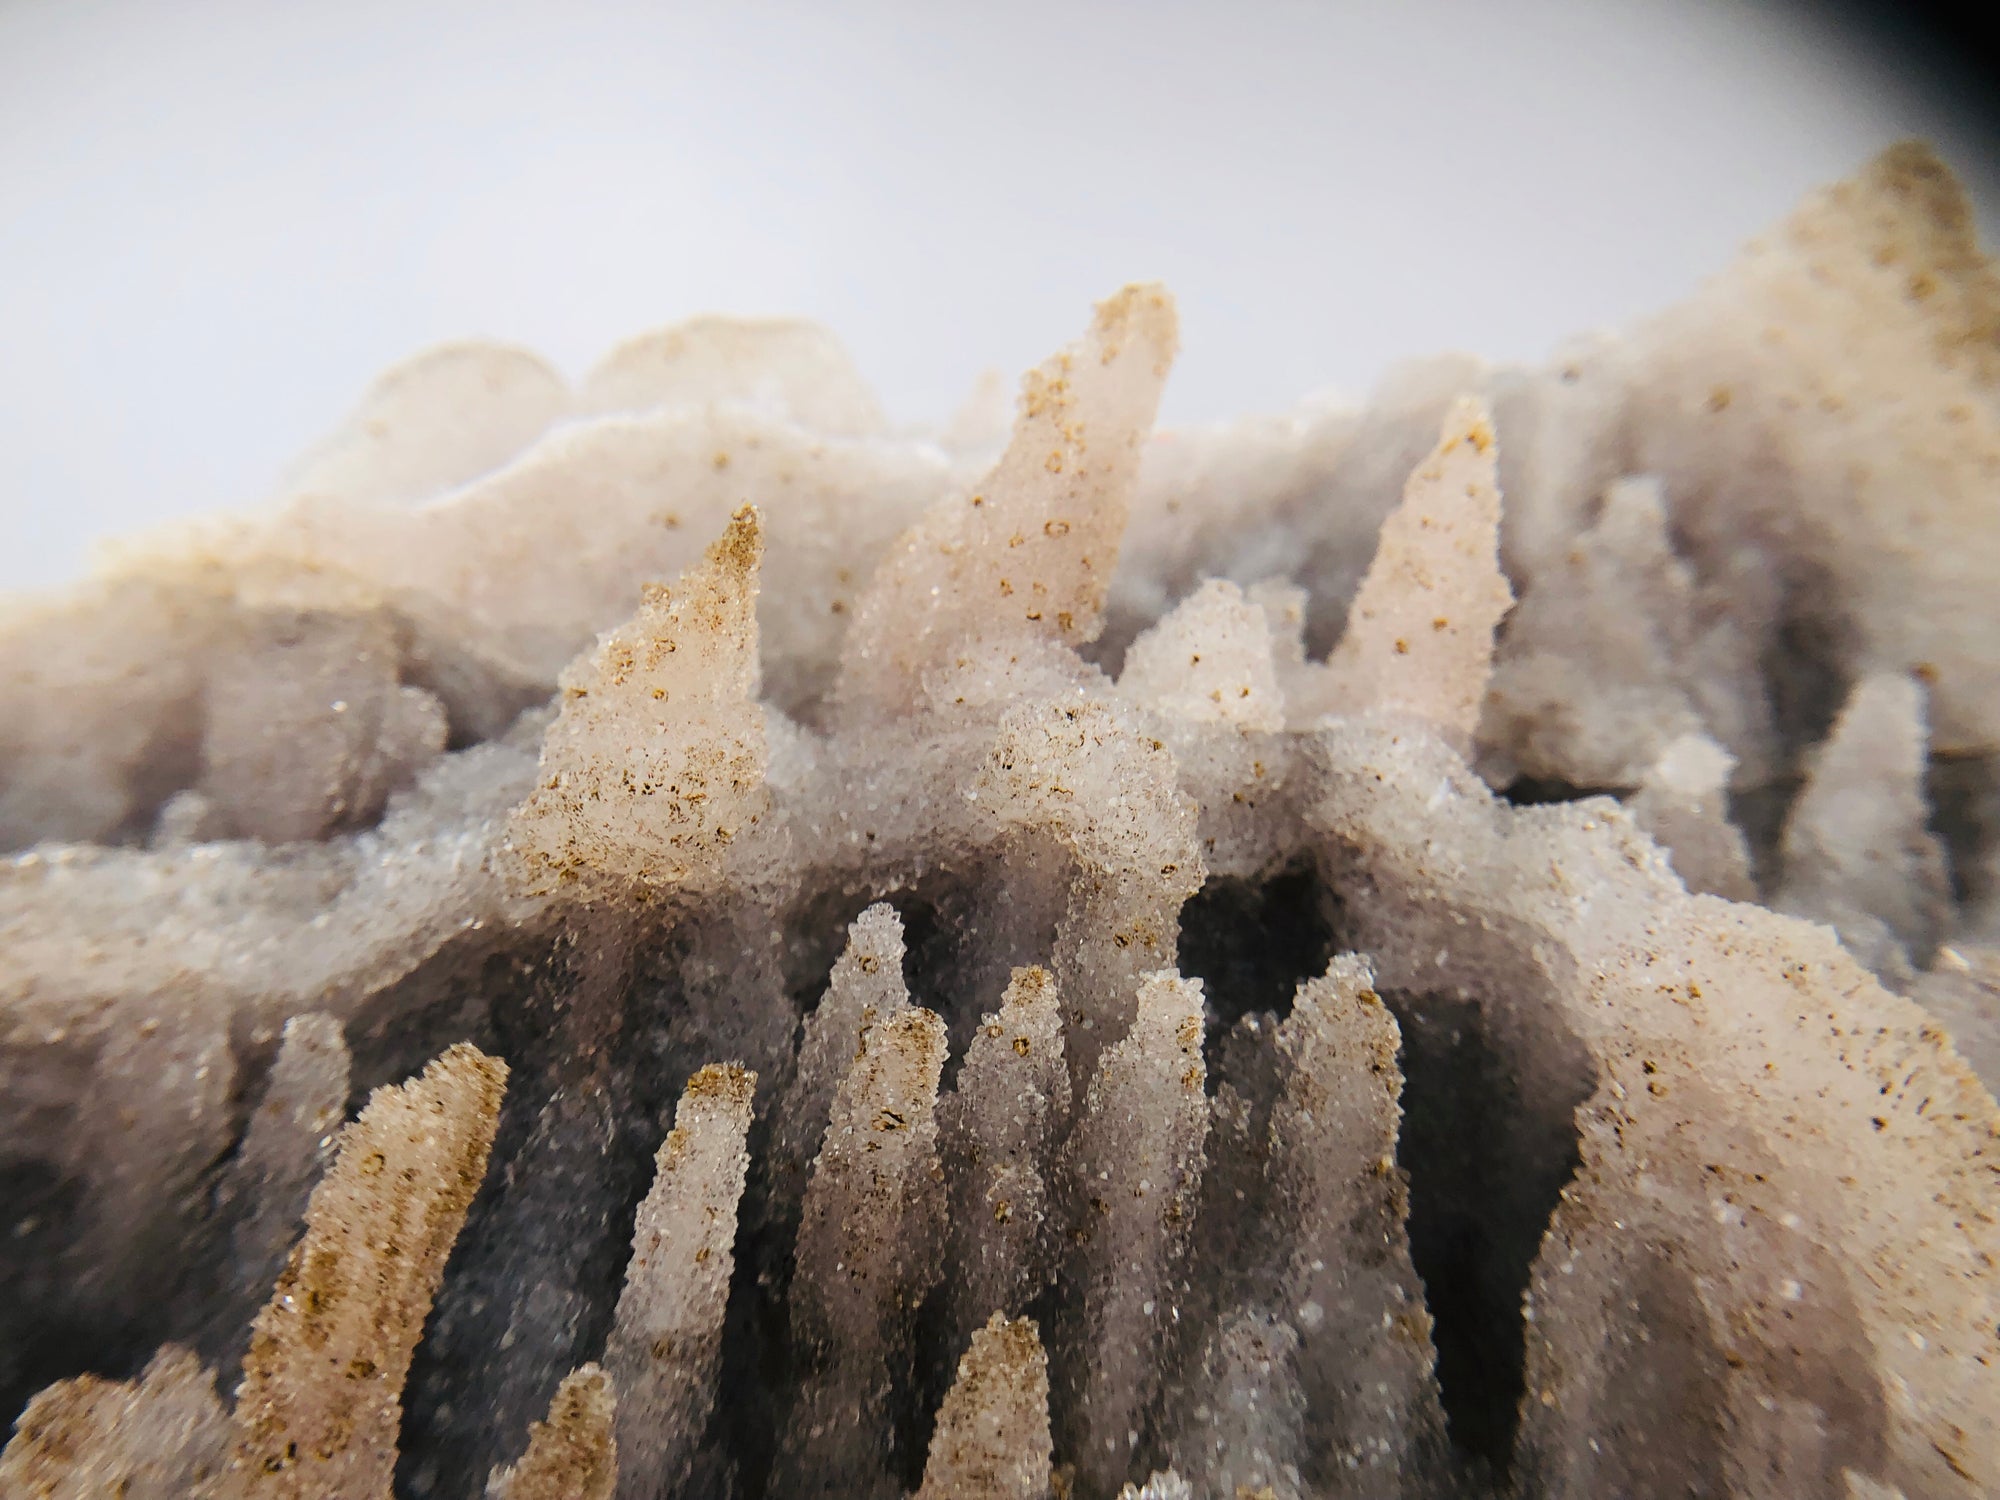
219,218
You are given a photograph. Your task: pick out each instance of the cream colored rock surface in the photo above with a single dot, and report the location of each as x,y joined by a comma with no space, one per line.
432,423
1419,636
655,763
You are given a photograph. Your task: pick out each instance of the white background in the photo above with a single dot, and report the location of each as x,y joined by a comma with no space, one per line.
219,218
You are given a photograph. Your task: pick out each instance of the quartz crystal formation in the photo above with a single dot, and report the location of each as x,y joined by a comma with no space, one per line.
1431,949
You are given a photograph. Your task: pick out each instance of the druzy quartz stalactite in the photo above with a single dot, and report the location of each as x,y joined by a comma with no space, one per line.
1283,960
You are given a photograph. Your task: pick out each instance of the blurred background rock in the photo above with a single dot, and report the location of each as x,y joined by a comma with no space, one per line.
220,218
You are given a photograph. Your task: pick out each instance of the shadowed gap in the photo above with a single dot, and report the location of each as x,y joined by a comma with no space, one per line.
1251,943
1538,791
1964,796
44,1336
532,1282
1488,1141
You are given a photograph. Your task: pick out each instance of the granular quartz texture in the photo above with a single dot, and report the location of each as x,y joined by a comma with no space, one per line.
666,1344
678,940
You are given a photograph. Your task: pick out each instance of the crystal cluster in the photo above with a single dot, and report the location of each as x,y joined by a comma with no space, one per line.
1446,948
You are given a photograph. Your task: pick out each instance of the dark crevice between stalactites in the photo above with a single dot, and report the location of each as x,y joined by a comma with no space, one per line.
46,1334
1252,943
1759,813
532,1283
756,1357
968,927
920,1386
1963,793
1805,661
930,943
1489,1141
1539,791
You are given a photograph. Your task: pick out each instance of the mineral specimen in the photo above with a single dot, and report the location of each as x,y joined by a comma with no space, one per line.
1275,961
